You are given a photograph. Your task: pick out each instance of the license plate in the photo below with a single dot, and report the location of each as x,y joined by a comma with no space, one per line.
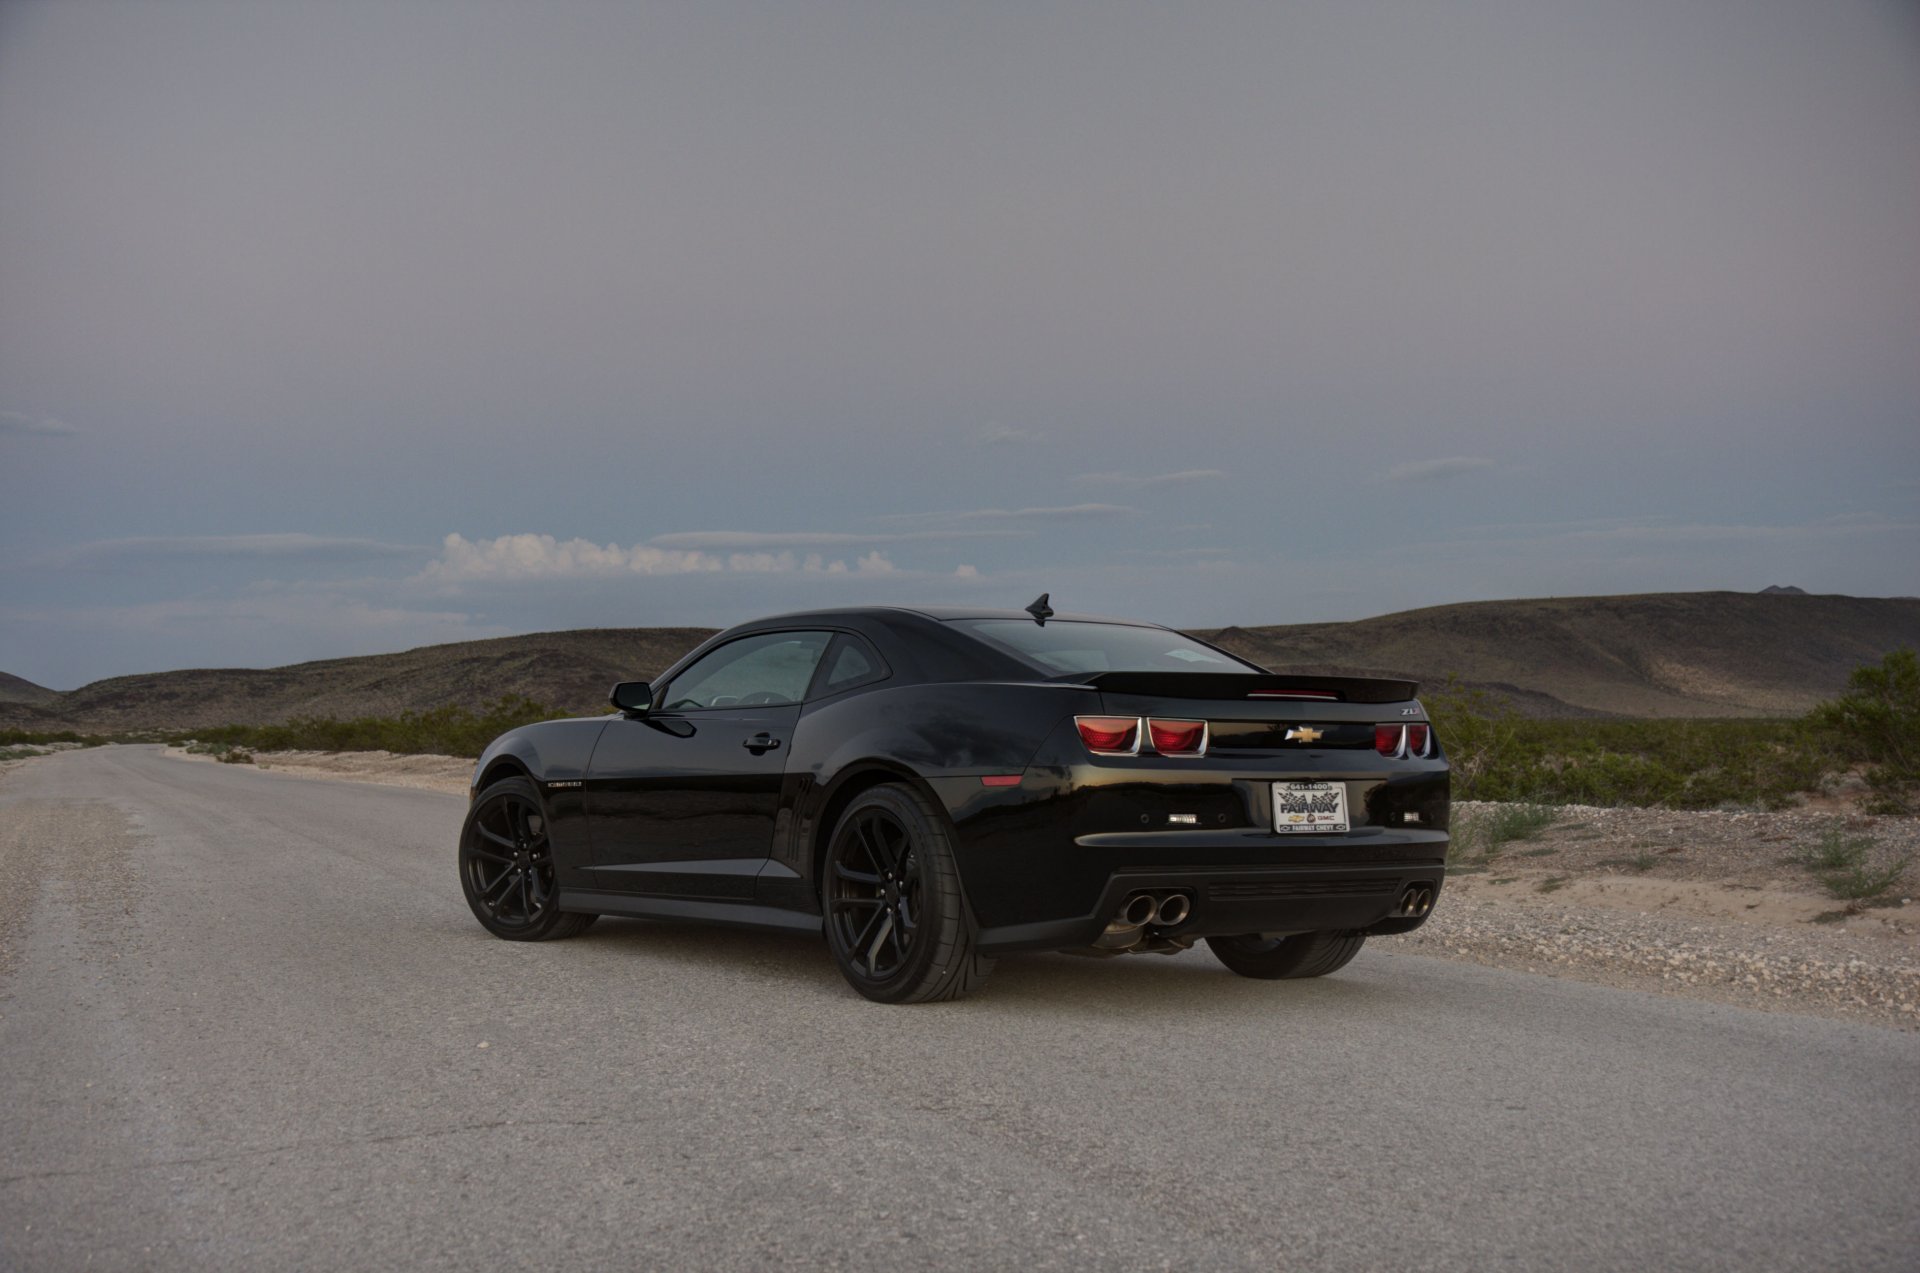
1317,807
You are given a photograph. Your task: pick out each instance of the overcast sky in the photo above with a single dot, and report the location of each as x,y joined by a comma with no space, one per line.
331,328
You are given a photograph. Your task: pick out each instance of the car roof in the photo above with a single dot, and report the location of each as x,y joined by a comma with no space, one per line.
944,614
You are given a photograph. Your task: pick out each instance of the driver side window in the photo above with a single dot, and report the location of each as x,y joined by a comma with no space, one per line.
771,669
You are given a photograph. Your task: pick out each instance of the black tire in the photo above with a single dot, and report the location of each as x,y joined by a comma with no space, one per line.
896,919
506,866
1279,958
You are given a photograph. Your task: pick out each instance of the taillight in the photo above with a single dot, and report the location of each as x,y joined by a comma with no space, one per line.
1389,740
1110,735
1419,737
1178,737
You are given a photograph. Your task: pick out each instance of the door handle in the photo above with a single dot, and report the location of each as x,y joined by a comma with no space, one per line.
761,742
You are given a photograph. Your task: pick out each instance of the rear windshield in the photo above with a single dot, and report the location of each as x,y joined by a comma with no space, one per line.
1065,647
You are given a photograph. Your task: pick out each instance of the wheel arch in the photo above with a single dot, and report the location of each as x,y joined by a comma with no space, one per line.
856,778
507,766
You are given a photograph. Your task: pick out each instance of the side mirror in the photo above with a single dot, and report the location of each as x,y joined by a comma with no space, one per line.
635,698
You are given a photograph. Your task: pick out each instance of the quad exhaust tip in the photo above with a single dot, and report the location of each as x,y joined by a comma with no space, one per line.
1139,910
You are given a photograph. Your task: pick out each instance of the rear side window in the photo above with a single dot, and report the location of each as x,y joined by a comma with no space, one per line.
851,662
1065,647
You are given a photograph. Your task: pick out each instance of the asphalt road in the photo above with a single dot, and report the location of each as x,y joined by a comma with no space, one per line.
246,1022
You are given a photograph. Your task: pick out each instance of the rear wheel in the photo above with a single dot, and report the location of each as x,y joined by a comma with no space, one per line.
506,866
1299,955
897,922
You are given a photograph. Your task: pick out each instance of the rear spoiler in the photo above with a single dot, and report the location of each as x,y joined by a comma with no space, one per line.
1236,685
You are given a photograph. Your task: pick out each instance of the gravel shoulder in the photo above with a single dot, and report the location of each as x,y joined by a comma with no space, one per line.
1705,904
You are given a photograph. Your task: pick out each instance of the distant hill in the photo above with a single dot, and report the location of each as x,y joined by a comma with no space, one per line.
1656,654
1652,654
572,670
14,689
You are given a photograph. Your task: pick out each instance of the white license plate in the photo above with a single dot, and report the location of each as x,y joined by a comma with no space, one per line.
1317,807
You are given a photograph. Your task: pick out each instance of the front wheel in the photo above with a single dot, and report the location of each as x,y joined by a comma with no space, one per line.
1277,958
506,866
897,922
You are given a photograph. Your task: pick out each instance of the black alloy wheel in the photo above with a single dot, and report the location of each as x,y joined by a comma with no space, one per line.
506,866
1284,958
896,920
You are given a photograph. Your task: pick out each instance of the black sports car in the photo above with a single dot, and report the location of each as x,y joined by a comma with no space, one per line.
933,788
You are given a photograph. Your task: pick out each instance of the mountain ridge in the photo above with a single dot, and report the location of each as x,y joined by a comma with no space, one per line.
1645,654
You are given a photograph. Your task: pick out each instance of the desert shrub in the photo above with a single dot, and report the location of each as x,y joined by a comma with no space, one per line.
1877,723
1479,731
1477,837
1845,866
1680,764
454,730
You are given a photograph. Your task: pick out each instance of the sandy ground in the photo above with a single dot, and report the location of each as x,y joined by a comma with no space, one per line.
450,774
1705,904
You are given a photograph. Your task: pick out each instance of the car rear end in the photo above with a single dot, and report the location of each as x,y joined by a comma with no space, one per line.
1173,805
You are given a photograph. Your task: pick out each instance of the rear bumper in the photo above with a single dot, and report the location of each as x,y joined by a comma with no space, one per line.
1239,899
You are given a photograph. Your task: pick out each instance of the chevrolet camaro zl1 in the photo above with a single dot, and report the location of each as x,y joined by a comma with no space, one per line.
933,788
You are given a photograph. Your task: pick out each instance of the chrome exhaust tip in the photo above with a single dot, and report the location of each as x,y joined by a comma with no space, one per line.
1415,902
1139,910
1174,909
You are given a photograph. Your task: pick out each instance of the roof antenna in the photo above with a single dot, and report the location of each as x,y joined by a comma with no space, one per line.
1040,610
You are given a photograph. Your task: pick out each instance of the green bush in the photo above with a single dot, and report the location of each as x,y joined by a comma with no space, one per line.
1841,862
1877,723
1680,764
1477,838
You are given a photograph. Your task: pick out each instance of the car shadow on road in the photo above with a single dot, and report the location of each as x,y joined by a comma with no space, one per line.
1188,984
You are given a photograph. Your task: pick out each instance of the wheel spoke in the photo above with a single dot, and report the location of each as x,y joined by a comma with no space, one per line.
848,903
866,931
505,842
859,877
867,846
488,854
494,895
873,951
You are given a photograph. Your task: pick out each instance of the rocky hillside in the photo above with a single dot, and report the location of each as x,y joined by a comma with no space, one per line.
1658,654
14,689
1653,654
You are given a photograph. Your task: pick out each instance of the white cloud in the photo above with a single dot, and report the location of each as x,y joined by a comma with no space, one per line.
1062,513
275,546
516,558
1425,470
752,540
20,424
1003,435
1132,481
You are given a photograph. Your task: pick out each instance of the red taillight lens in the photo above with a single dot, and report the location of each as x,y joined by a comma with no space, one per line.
1110,735
1178,737
1418,738
1389,739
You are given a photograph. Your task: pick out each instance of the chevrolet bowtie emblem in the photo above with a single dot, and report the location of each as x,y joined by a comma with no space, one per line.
1303,734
